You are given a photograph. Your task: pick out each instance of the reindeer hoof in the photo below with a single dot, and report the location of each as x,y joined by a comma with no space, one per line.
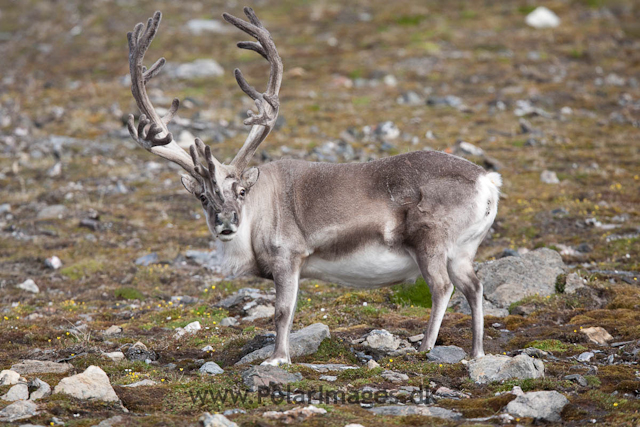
276,361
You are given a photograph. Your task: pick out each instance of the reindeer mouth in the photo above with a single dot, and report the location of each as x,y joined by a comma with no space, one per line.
226,232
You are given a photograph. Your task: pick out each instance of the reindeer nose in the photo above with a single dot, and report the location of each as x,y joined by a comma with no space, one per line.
227,218
234,219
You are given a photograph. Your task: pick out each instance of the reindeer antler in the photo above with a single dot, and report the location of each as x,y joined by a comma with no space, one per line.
267,103
152,133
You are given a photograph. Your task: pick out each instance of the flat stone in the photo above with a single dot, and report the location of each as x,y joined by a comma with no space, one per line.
394,377
597,335
295,415
446,354
259,312
211,368
42,389
53,212
143,383
112,330
116,356
301,343
19,410
216,420
416,338
264,375
328,367
540,405
30,367
92,384
330,378
17,392
147,260
498,367
427,411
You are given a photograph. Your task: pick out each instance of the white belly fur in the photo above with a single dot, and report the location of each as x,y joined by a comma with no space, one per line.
371,267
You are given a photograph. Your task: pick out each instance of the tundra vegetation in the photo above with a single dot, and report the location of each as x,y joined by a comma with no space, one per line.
555,110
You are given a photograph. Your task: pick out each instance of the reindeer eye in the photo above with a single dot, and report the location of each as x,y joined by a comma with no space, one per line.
203,199
243,192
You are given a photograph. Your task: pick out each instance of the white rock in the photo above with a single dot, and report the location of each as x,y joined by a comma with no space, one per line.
211,368
597,335
19,411
43,389
29,285
9,377
295,415
92,384
116,356
542,17
216,420
112,330
549,177
141,383
259,312
190,329
372,364
545,405
53,263
17,392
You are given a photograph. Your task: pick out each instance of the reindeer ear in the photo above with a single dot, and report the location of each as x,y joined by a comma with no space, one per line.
192,185
250,176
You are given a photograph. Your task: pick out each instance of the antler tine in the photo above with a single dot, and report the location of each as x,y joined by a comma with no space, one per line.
152,132
267,103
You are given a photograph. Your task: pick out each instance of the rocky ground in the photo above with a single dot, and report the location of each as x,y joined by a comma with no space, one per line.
114,311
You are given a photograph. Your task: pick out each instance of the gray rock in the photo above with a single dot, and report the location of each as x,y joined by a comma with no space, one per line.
19,410
577,378
53,263
112,330
330,378
53,212
301,343
295,415
140,352
216,420
198,69
427,411
17,392
200,26
211,368
541,405
116,356
394,377
5,208
229,321
416,338
42,389
383,343
264,375
585,357
92,384
111,422
328,367
549,177
259,312
29,285
410,98
30,367
510,279
446,354
190,329
498,367
147,260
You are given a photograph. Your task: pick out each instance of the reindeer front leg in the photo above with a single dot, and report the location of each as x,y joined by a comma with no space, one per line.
286,279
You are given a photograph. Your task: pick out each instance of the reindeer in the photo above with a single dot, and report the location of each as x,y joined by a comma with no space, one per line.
364,225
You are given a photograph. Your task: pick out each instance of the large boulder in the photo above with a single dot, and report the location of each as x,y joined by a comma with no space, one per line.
301,343
540,405
92,384
512,278
498,367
